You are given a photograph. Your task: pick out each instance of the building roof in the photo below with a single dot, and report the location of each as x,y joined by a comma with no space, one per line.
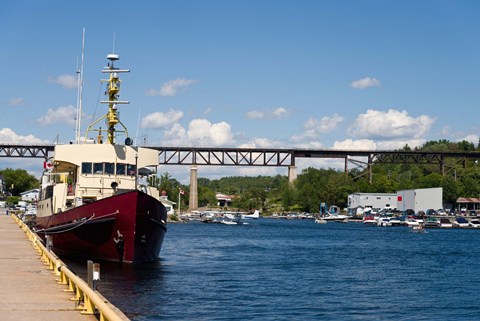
36,190
468,200
224,197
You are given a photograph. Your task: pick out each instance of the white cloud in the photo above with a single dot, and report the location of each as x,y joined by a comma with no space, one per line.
160,119
349,144
365,83
446,131
309,145
8,136
200,132
67,81
172,87
261,143
279,112
207,111
15,102
472,138
368,144
323,125
314,128
62,115
255,114
393,124
203,132
399,144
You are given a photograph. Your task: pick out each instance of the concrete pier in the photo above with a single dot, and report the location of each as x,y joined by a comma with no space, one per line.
28,291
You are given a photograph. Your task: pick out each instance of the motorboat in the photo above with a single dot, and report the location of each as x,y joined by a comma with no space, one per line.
475,223
411,222
418,229
334,217
460,221
445,223
384,221
93,203
369,220
432,222
320,220
397,221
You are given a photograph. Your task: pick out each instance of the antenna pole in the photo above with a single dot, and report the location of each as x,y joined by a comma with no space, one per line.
80,92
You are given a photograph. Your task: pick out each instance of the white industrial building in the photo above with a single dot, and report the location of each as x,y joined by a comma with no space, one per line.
372,200
420,199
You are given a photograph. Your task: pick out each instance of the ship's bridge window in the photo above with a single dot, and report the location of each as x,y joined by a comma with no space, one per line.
121,169
98,168
109,168
131,169
86,168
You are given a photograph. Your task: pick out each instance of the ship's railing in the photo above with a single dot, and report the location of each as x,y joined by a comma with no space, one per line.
88,301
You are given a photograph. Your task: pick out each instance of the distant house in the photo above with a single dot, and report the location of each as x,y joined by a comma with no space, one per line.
31,195
224,200
169,205
469,203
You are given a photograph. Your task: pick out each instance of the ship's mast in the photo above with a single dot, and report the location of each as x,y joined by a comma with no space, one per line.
112,116
80,90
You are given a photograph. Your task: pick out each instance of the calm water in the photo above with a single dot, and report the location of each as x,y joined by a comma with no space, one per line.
299,270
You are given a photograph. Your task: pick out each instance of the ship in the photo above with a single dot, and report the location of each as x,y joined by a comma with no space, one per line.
94,202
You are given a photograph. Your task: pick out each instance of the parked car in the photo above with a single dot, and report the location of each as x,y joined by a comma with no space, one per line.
441,212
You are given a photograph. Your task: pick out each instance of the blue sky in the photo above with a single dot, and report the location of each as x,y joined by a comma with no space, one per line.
286,74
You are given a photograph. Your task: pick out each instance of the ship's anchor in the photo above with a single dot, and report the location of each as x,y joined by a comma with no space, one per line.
119,245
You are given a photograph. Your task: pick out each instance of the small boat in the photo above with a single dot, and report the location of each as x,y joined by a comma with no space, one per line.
320,221
333,214
432,222
418,229
369,220
475,223
461,222
334,217
384,221
397,221
92,203
445,223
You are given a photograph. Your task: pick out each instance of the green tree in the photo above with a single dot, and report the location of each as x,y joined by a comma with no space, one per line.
172,187
206,197
18,180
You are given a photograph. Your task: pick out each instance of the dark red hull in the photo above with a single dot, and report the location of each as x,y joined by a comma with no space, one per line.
128,227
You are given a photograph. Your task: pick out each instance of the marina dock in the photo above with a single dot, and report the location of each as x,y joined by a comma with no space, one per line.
28,289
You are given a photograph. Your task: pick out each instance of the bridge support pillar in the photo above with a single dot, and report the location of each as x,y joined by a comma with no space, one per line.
193,201
292,174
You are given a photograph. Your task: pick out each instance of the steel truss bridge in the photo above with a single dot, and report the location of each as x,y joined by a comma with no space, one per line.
270,157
